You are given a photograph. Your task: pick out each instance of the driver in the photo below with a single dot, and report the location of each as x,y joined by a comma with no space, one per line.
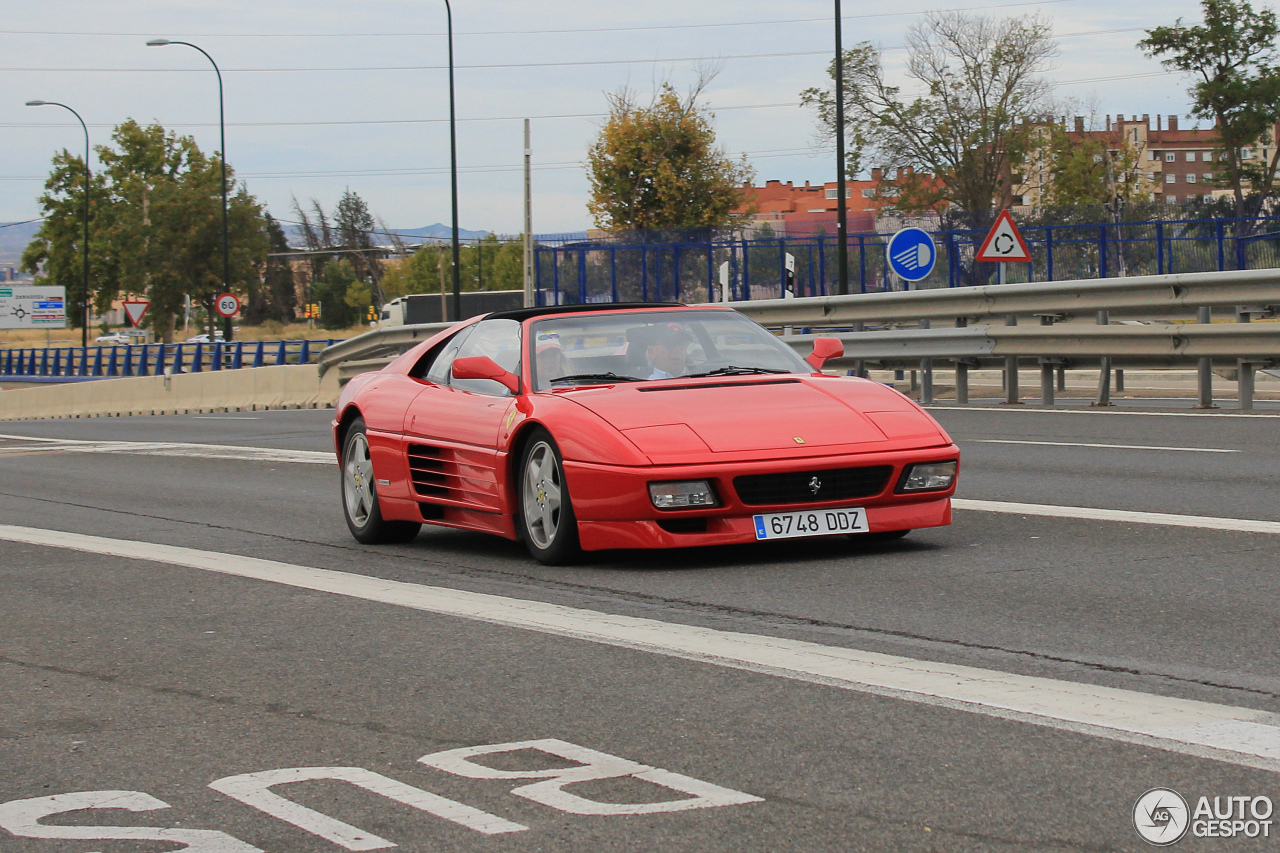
669,352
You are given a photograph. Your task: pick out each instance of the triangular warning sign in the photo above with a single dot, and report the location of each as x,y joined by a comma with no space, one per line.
135,310
1004,243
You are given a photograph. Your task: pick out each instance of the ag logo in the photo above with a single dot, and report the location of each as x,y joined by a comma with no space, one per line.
1161,816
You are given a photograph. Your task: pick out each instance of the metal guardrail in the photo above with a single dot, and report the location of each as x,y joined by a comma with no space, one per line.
1152,295
1070,345
377,347
60,364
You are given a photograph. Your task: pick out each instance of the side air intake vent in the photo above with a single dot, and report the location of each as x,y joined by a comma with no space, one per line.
426,465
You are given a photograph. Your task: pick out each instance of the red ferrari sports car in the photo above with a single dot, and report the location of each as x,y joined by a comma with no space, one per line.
590,427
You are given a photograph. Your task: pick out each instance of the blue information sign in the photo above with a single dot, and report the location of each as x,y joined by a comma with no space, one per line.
912,253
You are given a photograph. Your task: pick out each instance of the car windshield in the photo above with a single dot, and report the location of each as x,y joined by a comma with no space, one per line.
630,346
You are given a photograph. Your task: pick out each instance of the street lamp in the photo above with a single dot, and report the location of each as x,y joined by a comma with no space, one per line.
453,175
222,126
84,302
842,216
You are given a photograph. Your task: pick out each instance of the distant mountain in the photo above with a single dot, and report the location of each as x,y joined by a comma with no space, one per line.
13,239
410,236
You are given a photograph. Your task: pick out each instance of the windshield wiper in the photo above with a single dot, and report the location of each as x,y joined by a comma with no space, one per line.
735,370
593,377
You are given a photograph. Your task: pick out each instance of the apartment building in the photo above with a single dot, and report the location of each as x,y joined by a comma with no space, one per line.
813,209
1170,163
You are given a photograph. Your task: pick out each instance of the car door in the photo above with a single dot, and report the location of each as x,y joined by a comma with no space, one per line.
452,425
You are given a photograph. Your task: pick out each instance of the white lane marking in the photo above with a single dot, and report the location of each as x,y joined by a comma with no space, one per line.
1035,411
22,818
1207,522
592,765
1084,444
1220,732
166,448
254,789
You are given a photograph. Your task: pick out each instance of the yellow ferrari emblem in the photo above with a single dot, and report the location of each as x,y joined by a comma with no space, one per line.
798,440
511,418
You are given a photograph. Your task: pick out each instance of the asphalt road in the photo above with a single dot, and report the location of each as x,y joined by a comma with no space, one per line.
148,675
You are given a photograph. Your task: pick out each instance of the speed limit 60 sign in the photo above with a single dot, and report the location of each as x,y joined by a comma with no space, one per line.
228,305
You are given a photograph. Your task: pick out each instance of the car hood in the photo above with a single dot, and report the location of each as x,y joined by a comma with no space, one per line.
675,420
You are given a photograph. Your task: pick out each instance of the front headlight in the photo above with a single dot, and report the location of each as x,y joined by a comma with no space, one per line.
684,494
928,477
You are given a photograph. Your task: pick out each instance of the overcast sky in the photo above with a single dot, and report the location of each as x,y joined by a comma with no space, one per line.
323,95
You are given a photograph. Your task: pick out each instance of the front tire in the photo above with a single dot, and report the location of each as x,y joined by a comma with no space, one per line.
360,494
544,514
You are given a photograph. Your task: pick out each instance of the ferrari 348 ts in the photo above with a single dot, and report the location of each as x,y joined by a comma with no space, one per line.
592,427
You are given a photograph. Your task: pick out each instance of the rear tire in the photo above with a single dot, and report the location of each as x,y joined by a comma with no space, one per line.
360,495
544,512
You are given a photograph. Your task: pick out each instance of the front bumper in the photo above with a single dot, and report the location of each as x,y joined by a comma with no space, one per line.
614,511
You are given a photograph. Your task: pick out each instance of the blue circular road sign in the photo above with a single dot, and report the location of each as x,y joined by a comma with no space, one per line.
912,253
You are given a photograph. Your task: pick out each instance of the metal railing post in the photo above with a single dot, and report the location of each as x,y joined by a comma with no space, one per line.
1046,370
1011,369
1048,253
1244,370
1102,251
1159,248
926,374
862,263
1104,377
1204,371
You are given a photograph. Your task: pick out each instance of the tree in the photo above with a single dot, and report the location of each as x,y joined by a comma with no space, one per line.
56,252
348,235
354,225
330,292
971,125
275,296
1233,57
158,226
1090,171
658,167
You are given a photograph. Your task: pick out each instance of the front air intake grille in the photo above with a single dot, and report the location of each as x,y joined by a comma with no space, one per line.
426,465
803,487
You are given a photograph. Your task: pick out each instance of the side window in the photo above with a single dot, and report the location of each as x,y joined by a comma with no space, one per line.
500,341
437,370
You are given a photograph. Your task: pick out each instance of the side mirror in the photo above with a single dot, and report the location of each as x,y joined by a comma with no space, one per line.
483,367
825,349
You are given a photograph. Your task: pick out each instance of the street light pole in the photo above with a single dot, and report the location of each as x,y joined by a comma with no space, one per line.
842,216
84,301
222,127
453,175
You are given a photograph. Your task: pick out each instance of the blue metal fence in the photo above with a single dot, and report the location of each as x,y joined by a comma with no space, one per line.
634,271
63,364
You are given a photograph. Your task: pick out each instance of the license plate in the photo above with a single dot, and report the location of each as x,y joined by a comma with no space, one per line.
818,522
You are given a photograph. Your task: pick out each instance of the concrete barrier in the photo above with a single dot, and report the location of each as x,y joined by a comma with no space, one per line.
247,389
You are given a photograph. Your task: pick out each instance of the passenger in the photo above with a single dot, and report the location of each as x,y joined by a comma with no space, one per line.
552,363
669,352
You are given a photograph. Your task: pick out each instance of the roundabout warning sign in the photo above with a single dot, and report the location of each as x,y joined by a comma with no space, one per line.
1004,244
